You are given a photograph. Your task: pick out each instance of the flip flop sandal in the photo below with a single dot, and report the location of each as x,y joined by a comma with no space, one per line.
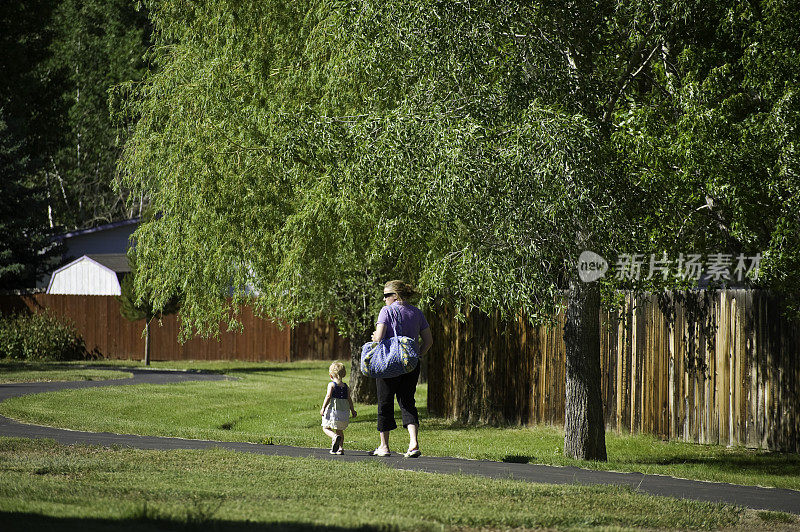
413,454
378,452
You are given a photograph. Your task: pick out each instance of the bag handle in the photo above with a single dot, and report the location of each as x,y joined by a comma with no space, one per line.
392,318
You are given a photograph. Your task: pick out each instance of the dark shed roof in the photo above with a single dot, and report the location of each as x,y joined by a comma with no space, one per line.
117,262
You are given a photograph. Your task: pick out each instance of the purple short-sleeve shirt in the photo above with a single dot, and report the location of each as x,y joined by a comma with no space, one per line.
411,322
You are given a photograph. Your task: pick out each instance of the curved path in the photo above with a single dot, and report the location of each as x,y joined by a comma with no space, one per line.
774,499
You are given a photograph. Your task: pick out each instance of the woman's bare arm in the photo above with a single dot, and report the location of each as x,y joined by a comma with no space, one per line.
380,330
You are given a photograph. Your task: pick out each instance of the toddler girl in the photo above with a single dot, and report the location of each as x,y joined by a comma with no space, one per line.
334,411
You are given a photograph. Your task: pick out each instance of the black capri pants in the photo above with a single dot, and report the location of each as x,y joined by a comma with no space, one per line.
403,387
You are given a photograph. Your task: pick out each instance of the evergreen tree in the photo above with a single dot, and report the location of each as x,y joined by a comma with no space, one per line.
60,60
26,251
29,90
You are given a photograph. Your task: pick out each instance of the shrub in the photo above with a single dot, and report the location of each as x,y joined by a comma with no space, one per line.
39,336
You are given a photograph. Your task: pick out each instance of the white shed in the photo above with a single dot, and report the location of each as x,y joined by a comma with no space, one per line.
91,275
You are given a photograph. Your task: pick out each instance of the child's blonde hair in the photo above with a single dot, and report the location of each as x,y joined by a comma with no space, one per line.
337,370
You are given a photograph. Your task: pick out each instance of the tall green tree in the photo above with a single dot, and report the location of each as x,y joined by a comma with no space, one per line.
95,46
29,89
347,144
60,59
313,150
26,250
713,135
27,114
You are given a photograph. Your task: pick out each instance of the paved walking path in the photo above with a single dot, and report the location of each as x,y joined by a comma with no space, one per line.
783,500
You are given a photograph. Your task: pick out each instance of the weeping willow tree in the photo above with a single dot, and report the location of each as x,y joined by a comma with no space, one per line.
308,151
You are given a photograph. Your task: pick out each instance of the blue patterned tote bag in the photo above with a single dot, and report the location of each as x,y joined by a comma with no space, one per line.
391,357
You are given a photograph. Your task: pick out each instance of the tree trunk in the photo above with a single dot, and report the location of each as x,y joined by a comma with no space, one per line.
584,428
147,343
362,388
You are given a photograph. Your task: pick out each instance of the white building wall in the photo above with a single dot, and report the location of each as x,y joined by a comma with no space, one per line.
84,277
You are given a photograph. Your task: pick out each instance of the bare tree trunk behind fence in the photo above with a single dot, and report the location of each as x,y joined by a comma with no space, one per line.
710,367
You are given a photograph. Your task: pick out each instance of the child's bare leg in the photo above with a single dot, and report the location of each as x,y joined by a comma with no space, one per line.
340,435
330,432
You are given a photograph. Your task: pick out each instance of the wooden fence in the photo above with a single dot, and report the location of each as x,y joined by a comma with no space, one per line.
720,368
105,331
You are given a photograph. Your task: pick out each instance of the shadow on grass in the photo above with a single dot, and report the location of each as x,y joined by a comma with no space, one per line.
259,369
47,365
13,521
8,366
373,416
518,459
777,464
441,423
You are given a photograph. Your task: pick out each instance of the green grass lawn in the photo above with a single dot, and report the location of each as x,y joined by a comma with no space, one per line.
45,485
279,403
15,371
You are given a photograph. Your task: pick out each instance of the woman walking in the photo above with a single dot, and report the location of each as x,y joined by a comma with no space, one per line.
408,321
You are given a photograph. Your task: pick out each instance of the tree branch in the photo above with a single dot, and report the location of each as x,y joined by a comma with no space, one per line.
625,80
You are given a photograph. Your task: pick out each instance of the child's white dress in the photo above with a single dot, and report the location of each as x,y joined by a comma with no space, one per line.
337,413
